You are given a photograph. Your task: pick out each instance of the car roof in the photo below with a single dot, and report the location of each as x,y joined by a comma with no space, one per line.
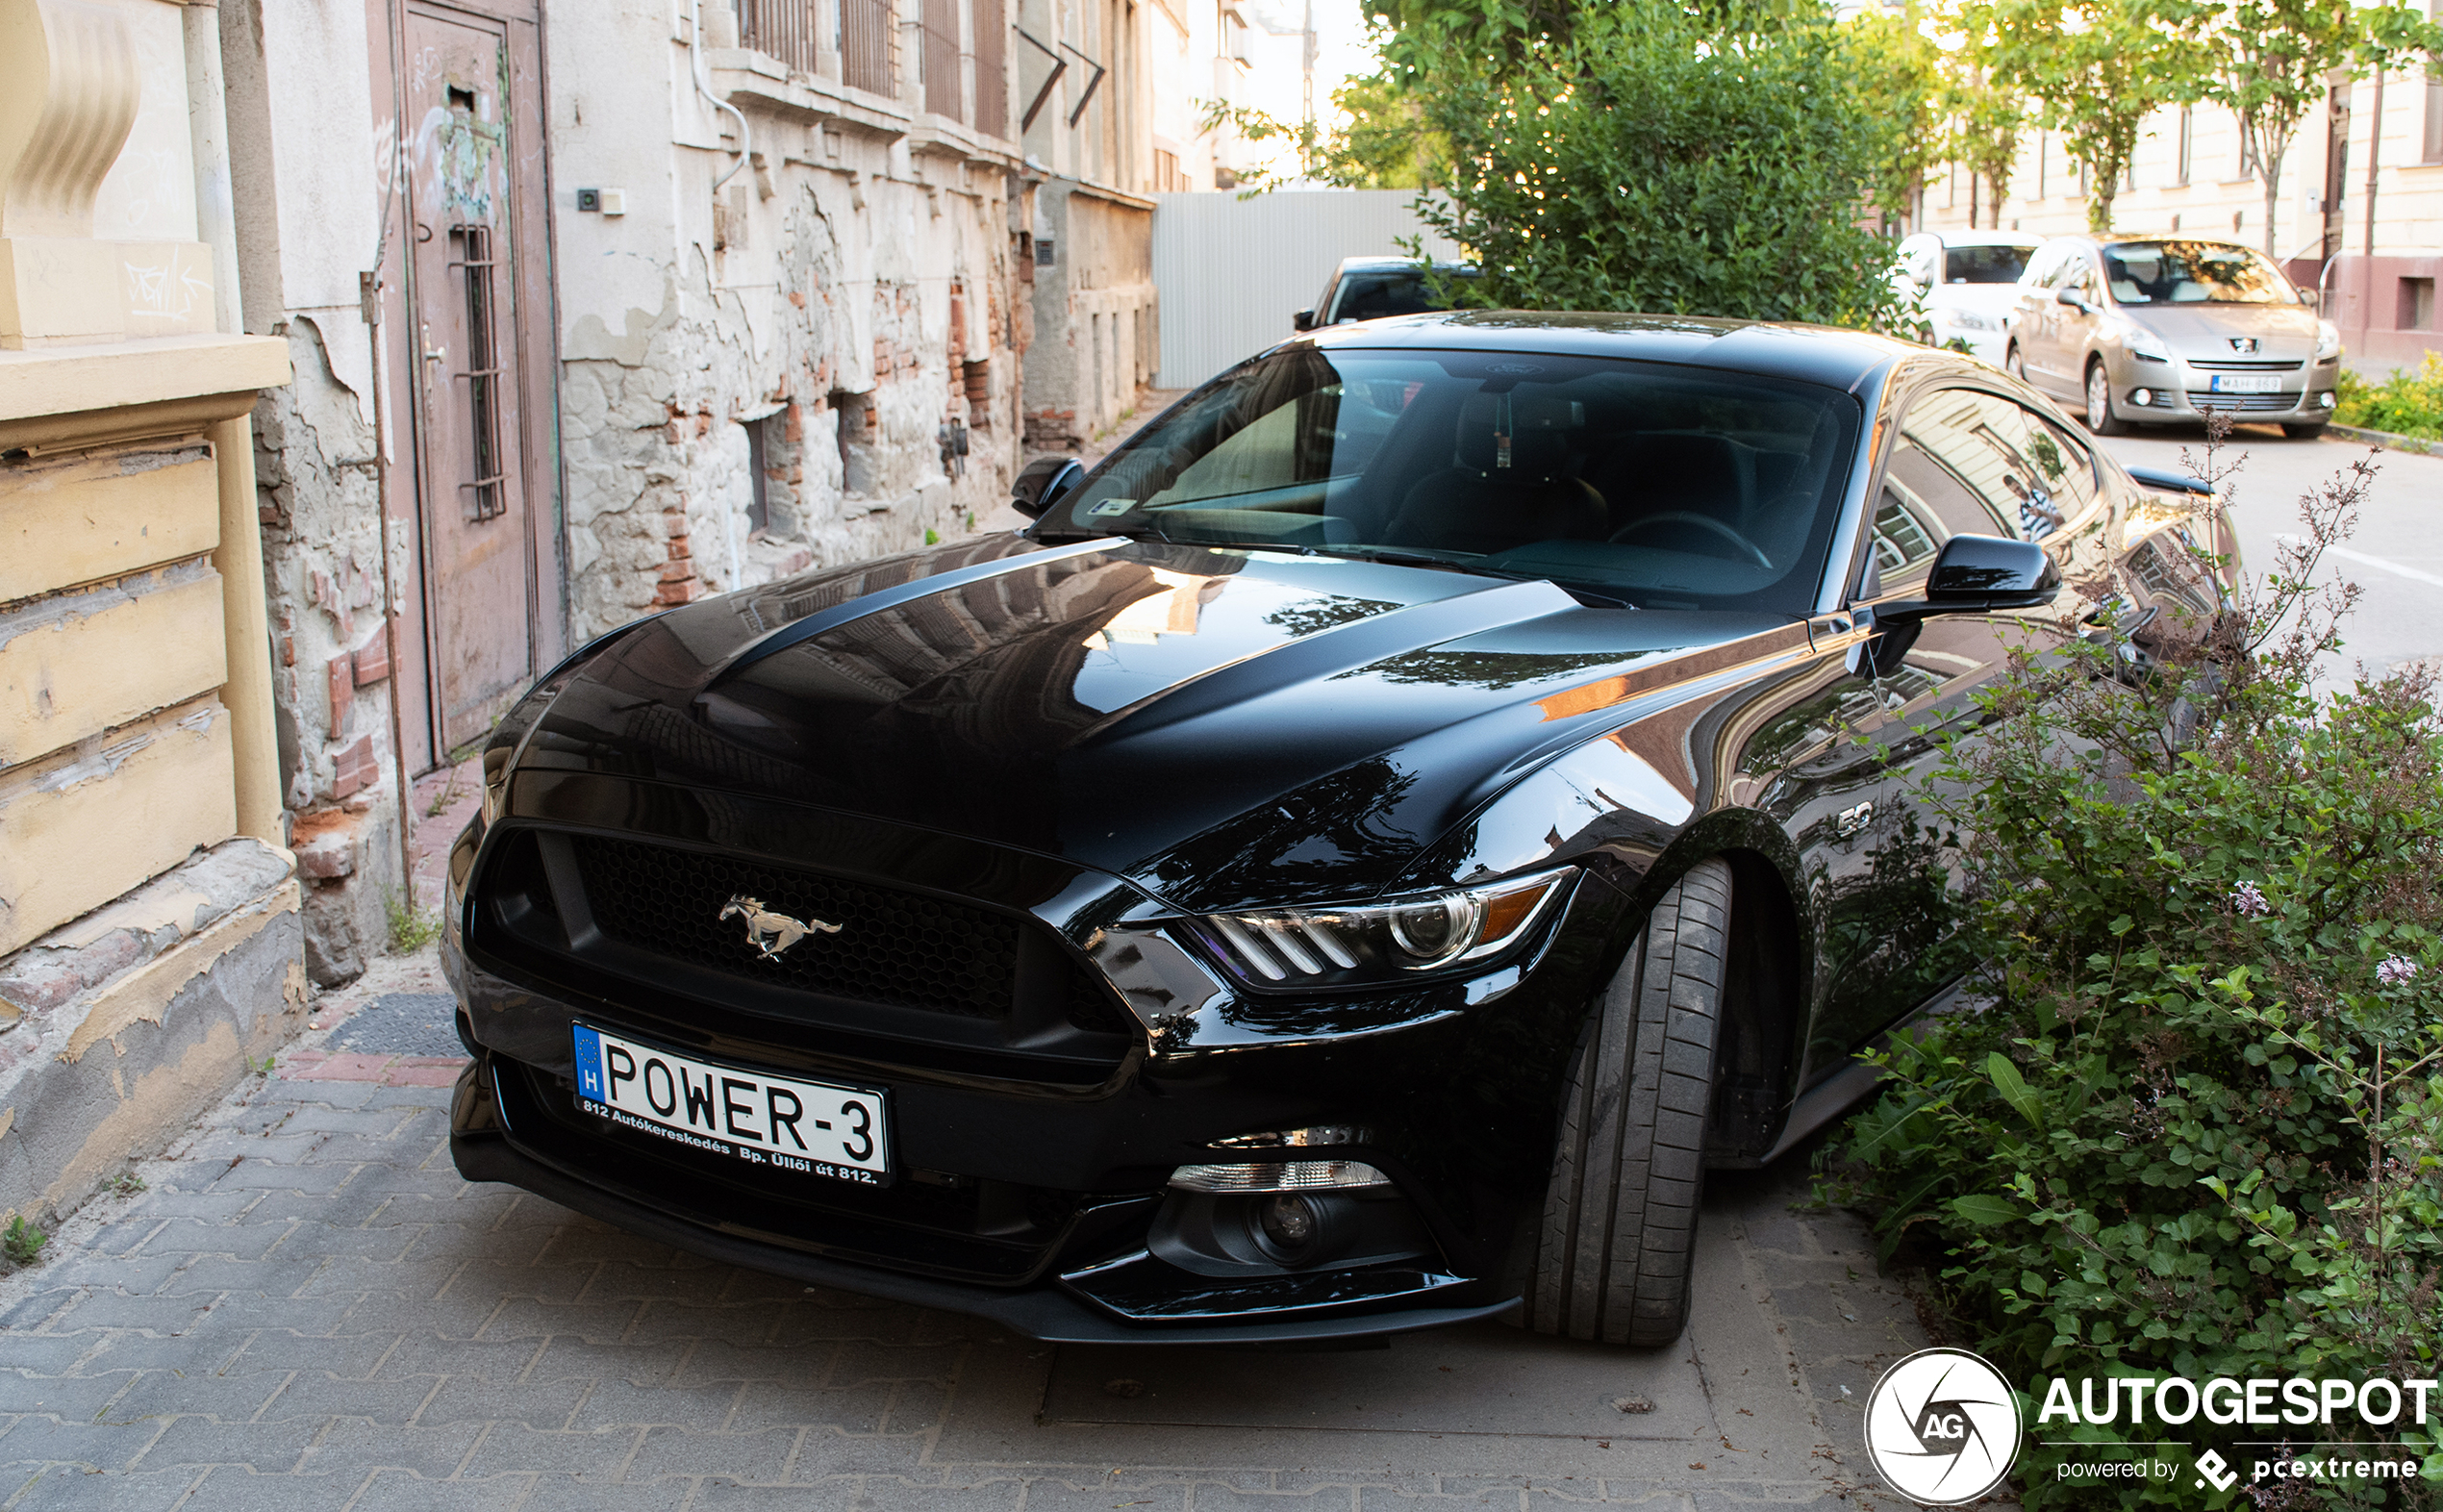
1393,265
1821,354
1986,238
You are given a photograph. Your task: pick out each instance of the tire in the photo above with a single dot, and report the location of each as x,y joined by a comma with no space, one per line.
1618,1235
2015,364
2100,416
2298,432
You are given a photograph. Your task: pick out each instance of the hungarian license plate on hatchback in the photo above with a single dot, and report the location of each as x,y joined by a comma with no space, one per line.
2245,383
813,1126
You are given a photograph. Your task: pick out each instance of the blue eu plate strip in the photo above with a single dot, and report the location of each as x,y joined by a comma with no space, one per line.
590,1065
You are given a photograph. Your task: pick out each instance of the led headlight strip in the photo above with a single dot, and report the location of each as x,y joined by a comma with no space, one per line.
1385,941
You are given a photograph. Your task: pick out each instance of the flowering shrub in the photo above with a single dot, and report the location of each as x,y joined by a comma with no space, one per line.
2197,1130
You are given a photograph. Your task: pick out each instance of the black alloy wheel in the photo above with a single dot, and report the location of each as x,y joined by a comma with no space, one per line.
1618,1235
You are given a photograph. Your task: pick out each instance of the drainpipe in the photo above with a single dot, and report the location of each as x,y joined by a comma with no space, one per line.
704,88
2375,153
370,291
238,557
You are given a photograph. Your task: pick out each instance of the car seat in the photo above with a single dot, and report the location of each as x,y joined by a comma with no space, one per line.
1511,481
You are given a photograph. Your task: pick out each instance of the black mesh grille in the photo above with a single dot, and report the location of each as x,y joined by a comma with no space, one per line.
891,946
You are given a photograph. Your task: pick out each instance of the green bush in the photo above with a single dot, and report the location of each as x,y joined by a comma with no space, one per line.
2197,1127
2406,404
1667,160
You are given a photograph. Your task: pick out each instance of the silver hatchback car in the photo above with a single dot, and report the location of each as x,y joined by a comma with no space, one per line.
2154,329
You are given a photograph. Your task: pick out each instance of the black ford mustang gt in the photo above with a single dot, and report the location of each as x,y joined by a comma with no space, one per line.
1351,864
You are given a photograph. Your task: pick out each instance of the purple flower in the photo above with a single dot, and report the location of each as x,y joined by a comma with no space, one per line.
2250,900
2396,971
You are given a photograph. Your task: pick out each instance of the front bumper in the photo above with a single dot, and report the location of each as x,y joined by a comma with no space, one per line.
482,1152
1031,1189
2177,391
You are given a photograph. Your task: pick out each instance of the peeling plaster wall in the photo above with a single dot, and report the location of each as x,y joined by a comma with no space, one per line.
844,279
1097,295
308,207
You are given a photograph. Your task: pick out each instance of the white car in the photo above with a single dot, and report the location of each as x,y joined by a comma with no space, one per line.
1964,285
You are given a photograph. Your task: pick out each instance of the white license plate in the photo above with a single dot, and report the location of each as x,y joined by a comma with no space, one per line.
764,1119
2245,383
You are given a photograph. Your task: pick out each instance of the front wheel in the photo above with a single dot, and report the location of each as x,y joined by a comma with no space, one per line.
1618,1234
2306,432
2015,363
2100,416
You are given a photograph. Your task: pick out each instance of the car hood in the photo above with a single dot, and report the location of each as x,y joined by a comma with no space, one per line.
1225,728
2204,332
1994,299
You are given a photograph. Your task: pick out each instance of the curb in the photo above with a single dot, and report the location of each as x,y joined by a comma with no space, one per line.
2385,438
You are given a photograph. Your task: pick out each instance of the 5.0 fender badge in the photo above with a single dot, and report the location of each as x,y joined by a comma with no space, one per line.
772,933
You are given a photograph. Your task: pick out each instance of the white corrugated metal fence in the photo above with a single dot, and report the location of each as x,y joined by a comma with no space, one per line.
1232,271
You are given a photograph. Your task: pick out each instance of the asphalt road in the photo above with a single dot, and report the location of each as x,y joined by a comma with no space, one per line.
2395,555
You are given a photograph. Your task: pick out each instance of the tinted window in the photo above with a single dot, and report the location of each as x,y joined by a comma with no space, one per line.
1960,466
1658,485
2194,273
1375,295
1984,264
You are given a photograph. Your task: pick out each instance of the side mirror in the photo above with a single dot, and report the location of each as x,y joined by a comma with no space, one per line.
1303,321
2074,299
1041,484
1980,574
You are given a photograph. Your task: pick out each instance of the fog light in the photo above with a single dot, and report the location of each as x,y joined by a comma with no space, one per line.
2143,396
1290,1222
2325,399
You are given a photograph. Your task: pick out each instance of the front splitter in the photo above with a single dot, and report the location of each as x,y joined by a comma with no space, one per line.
1038,1313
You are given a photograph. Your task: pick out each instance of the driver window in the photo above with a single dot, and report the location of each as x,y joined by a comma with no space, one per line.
1942,480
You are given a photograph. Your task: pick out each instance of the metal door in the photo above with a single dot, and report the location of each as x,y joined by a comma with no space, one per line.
464,327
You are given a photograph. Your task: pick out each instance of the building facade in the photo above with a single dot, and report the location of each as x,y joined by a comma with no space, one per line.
150,944
608,306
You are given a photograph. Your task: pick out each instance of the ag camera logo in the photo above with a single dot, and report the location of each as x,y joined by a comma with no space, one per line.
1942,1428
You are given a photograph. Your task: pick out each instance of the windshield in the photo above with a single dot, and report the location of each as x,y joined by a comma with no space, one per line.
1398,292
1653,485
1985,265
2193,273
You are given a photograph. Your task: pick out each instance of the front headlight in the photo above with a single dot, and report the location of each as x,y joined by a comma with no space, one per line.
2327,341
2144,345
1967,320
1381,943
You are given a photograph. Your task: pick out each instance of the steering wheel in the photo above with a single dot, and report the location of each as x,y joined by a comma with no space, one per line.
1682,516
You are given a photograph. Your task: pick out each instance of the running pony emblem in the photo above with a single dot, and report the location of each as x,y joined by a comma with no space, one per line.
770,933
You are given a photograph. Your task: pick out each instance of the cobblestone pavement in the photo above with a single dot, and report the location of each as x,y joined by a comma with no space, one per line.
308,1308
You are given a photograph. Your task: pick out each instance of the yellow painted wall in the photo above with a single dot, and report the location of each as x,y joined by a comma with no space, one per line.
93,518
79,663
81,828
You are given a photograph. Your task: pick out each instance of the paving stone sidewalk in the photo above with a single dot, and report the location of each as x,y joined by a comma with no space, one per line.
308,1308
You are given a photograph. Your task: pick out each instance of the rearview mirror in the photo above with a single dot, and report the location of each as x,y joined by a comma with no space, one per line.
1981,574
1041,482
1303,321
2072,298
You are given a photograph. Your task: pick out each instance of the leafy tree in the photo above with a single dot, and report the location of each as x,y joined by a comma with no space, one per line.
1904,78
2096,68
1647,158
1982,122
1385,145
2270,59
